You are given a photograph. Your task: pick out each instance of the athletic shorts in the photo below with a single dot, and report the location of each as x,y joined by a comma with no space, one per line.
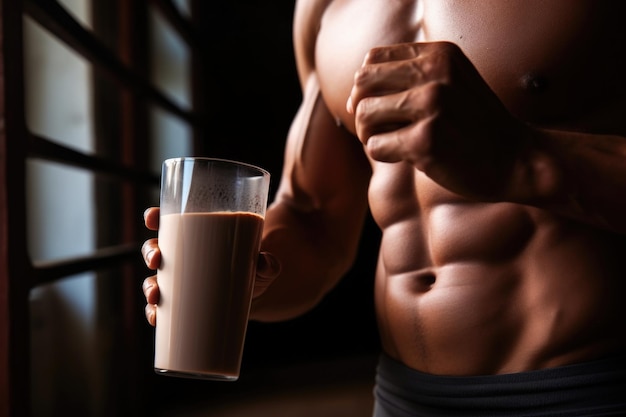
595,388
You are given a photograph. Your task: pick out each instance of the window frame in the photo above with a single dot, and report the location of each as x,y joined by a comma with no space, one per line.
126,65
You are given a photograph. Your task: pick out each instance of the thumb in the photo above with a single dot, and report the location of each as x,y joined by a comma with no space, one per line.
268,269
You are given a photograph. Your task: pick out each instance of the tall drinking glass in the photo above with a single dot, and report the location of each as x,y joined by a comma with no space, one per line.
211,221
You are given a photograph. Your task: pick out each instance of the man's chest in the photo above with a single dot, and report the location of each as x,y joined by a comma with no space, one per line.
546,60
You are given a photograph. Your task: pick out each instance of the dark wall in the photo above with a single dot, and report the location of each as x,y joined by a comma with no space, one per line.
250,83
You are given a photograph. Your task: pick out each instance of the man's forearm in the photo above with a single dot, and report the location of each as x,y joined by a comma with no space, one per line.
314,251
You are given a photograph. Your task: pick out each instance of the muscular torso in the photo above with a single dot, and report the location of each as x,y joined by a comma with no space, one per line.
469,288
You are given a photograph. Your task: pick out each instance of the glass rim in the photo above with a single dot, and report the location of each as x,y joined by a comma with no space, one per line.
221,160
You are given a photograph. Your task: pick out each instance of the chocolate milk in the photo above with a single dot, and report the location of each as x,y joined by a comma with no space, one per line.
205,279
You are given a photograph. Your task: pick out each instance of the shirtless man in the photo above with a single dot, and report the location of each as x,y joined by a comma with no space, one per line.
489,139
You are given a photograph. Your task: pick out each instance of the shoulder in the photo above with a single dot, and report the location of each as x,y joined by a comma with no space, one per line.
307,19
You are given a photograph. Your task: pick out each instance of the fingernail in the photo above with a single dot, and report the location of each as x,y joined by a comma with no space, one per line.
150,255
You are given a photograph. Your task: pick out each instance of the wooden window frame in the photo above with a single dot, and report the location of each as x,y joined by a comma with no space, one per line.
18,274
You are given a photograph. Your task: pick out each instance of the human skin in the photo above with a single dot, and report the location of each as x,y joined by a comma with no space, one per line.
488,140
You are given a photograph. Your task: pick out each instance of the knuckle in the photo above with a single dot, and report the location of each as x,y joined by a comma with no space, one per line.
441,60
435,93
362,114
376,55
446,49
417,70
363,75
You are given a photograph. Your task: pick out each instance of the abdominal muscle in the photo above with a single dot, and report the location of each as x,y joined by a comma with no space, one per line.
469,289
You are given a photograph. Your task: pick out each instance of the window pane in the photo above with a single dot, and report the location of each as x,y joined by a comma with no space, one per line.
68,349
60,210
170,61
80,10
57,90
171,138
184,7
